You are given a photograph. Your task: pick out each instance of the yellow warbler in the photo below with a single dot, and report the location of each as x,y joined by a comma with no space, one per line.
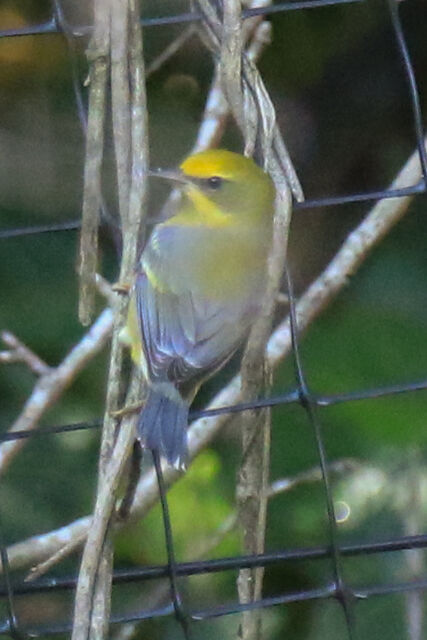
198,288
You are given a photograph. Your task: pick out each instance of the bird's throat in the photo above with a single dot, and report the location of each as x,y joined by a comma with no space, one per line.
202,212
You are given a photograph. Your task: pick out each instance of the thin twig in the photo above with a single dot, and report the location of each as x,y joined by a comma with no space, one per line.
253,473
19,352
120,101
255,115
231,50
169,51
50,386
93,559
140,147
254,95
256,34
93,595
97,562
98,56
43,567
103,27
276,488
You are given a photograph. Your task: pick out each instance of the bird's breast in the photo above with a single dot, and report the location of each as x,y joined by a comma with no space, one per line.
214,263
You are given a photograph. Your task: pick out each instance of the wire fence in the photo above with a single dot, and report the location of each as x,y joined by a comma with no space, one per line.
337,588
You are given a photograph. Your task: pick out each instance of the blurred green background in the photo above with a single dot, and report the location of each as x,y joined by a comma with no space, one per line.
342,103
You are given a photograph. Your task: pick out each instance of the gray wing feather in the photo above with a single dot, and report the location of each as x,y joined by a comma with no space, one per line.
184,337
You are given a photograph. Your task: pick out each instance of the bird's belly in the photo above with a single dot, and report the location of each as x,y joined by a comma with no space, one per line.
220,269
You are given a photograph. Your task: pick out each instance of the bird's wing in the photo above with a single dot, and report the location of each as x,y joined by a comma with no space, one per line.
185,338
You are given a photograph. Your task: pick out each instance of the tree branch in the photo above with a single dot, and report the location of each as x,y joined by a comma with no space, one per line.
98,56
93,595
53,383
19,352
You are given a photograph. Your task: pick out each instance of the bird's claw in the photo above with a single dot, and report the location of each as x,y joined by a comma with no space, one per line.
121,287
124,411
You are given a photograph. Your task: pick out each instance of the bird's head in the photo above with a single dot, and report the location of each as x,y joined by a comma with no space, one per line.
227,182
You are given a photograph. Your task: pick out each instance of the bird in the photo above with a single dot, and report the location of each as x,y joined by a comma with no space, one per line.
198,288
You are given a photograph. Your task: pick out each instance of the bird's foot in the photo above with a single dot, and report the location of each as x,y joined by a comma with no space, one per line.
122,287
124,411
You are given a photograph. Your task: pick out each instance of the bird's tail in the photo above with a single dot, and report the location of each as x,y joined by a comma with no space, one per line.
162,426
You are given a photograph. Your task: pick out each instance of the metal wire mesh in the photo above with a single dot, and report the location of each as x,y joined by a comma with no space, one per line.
312,403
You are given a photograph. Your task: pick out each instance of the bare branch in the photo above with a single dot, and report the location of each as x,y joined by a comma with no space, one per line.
43,567
282,485
120,100
51,385
92,606
98,56
358,244
95,564
216,111
19,352
92,603
169,51
256,128
255,115
253,474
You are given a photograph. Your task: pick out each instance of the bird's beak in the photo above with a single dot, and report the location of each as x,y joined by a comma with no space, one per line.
168,174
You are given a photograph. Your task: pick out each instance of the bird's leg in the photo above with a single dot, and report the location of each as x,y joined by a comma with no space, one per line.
122,287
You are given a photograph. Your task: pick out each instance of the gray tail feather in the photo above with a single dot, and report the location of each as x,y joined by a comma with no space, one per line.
162,427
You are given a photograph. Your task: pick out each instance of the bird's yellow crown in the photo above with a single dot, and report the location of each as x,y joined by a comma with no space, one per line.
219,162
220,184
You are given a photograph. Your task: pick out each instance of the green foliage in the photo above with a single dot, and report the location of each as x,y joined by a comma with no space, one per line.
195,505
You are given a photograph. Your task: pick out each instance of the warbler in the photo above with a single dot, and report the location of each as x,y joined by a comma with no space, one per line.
198,288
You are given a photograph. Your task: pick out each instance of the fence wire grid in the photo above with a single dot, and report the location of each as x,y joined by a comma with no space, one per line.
337,588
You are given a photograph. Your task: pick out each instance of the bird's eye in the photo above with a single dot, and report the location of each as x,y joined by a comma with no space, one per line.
214,182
